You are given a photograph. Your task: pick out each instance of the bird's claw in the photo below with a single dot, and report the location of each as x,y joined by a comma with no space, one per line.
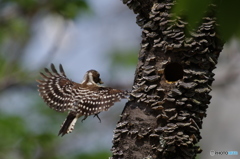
85,117
96,115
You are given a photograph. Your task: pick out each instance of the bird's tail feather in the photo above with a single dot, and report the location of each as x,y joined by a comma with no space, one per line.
68,125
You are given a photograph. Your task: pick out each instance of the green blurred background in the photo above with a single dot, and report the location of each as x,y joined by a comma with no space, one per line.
35,33
83,35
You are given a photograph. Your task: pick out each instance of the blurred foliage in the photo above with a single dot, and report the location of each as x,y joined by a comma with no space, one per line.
12,74
27,136
97,155
123,61
126,58
18,142
16,20
227,13
16,15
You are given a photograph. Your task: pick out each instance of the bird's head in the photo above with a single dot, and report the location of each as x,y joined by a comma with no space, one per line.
92,77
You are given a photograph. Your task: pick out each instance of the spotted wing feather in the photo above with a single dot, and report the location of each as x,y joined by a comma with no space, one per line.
56,89
62,94
89,102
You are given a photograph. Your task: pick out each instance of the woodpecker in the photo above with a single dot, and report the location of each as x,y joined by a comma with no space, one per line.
79,99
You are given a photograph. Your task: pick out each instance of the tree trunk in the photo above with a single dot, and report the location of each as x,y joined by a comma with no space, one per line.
170,95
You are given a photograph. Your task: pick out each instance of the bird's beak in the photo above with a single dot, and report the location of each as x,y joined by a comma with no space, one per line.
101,82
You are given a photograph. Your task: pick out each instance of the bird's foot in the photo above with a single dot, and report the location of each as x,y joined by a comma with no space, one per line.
96,115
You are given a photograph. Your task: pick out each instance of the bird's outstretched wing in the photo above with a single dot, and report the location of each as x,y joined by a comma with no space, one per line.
62,94
87,98
95,100
56,89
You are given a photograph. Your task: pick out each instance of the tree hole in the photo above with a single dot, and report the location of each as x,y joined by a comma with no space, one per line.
173,72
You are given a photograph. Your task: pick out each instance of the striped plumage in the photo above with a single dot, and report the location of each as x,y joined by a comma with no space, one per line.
79,99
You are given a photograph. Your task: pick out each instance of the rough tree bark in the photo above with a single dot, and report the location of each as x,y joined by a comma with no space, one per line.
171,88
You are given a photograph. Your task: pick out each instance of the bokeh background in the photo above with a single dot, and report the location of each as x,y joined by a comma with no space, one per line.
83,35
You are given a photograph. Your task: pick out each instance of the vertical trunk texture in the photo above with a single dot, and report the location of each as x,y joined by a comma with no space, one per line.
170,95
